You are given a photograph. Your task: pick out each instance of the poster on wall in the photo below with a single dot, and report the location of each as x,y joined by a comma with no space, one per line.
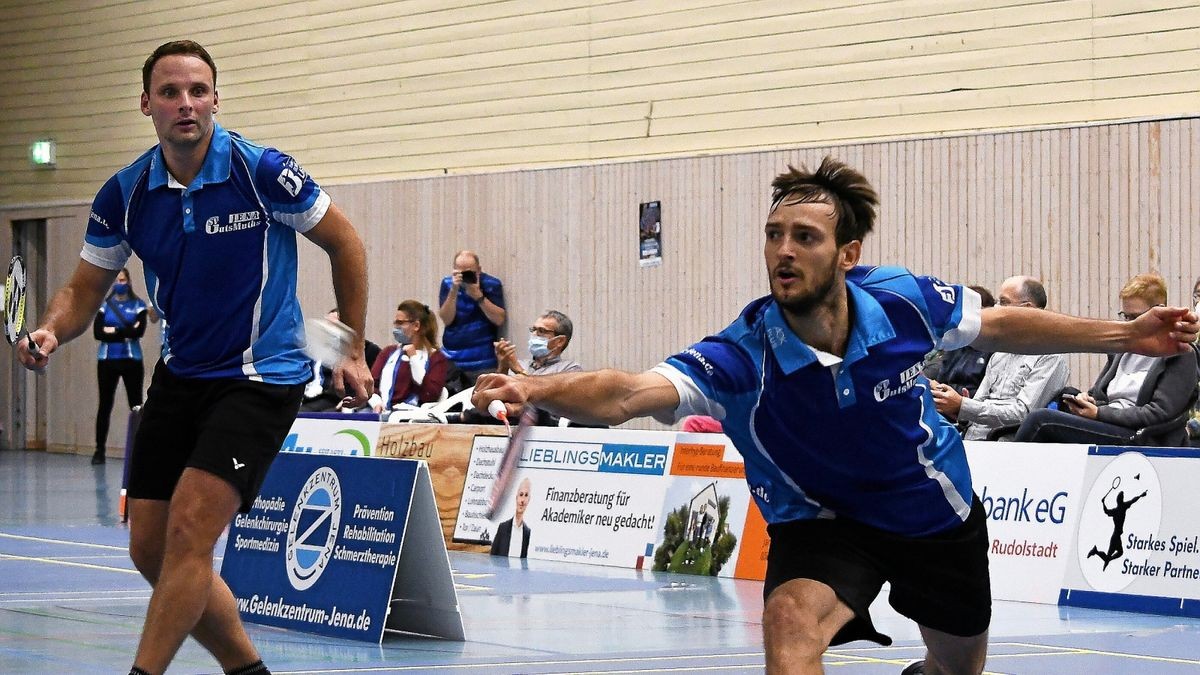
650,234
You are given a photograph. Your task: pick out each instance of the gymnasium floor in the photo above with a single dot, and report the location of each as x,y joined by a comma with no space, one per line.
70,602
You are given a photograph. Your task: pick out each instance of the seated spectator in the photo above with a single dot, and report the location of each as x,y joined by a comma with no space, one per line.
1131,393
961,369
414,370
471,304
1013,385
319,394
549,337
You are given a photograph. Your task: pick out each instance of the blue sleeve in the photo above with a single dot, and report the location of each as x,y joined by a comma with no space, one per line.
495,292
721,370
444,291
104,243
951,311
293,196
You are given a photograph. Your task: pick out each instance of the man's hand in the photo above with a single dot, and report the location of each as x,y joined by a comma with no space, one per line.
1163,331
506,356
455,280
505,388
474,290
352,380
46,343
1082,404
947,401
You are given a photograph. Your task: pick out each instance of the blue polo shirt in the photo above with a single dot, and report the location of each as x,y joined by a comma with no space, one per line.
855,437
219,255
468,339
118,314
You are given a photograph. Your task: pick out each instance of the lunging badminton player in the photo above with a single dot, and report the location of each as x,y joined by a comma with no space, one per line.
819,386
214,219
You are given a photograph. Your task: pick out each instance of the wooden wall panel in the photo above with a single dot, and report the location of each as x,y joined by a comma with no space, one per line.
366,91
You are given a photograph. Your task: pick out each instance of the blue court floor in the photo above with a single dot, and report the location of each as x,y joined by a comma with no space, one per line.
71,602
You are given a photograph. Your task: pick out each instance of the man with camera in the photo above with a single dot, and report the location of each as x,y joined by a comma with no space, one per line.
471,305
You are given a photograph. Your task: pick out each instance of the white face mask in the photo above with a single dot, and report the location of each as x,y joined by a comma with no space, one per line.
538,346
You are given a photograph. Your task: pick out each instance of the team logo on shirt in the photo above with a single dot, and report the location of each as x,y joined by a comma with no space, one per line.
247,220
884,390
945,290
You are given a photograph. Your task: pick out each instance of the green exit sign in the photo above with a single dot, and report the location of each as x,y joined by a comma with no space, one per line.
42,153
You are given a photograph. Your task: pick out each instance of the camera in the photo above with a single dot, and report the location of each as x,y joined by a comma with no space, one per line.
468,277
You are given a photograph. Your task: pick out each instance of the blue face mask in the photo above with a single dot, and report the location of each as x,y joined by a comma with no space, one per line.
400,337
538,346
120,289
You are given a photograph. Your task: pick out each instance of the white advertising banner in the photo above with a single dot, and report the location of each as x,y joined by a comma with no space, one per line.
1138,545
351,438
1031,494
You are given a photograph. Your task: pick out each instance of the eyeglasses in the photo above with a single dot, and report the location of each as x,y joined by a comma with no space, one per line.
542,332
1132,316
401,322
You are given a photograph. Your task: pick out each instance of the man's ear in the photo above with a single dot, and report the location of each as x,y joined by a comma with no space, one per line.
849,255
145,104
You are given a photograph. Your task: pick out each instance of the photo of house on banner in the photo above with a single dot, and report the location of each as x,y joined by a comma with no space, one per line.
702,522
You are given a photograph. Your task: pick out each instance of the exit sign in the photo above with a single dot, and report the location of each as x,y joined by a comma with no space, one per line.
42,153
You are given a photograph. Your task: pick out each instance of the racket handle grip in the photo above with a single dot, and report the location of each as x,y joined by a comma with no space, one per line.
498,410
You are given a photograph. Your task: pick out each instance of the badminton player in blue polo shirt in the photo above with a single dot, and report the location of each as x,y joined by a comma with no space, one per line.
819,386
213,218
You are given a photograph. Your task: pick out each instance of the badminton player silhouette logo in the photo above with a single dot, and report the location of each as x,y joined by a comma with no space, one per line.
1122,512
313,529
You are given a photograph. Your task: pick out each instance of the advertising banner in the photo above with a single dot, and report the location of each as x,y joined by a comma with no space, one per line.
351,438
1138,543
320,549
1031,515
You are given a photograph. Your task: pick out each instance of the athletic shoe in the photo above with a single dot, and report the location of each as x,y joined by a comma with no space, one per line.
914,668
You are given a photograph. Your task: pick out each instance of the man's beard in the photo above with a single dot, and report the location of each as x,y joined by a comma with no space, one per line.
804,304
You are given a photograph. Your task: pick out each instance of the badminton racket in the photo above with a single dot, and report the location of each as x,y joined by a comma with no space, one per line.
507,468
327,341
14,305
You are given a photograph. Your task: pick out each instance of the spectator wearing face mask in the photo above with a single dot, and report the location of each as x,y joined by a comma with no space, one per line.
413,370
548,339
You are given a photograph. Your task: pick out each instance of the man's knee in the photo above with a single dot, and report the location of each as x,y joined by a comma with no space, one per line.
146,552
789,621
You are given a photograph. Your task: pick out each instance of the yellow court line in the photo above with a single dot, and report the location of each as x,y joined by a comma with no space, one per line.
51,561
1101,652
5,535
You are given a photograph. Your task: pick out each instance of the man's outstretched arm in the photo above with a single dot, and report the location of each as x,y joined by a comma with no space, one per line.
1162,331
596,397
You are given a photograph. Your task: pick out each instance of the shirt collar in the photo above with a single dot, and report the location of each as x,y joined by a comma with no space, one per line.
544,364
214,170
869,326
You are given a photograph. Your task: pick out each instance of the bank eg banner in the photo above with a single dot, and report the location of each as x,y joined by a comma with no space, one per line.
594,496
317,436
1138,542
318,550
1031,496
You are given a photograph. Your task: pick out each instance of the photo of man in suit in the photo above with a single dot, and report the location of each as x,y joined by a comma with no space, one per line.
505,543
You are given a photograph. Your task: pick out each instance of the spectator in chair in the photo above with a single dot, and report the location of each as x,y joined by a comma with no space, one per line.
1132,392
549,337
1014,384
962,368
413,370
471,304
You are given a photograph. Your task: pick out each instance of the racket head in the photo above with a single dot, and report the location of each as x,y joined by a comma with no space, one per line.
14,300
506,471
1116,483
327,341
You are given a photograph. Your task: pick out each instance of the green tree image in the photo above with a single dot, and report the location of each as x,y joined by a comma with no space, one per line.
676,554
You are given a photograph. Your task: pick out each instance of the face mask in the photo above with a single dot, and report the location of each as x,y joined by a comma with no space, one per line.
120,289
538,346
400,337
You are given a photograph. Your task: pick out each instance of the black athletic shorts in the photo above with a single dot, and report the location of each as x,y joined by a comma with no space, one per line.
940,581
230,428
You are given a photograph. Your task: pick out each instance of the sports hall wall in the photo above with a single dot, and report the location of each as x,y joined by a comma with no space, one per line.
1048,138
